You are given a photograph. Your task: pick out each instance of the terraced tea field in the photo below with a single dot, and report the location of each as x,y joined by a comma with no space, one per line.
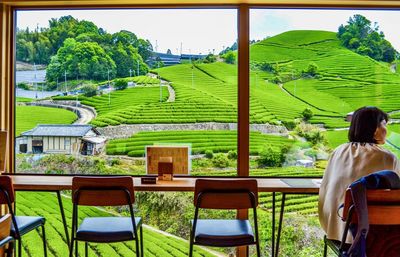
200,141
27,117
345,81
46,205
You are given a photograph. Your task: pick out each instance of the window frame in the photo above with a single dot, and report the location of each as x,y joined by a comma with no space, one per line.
7,49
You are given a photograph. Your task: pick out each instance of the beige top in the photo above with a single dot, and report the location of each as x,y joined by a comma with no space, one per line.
348,163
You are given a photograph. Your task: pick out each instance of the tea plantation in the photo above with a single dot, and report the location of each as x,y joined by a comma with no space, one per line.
342,82
46,205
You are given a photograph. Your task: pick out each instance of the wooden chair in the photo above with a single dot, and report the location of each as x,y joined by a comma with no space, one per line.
21,225
104,191
6,245
383,238
3,150
225,195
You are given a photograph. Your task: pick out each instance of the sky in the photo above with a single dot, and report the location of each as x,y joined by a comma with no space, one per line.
201,31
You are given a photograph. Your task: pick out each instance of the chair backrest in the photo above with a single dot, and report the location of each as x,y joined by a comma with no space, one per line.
102,191
383,206
3,150
226,194
5,226
6,184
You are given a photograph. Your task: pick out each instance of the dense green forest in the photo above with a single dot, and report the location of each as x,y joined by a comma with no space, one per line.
80,49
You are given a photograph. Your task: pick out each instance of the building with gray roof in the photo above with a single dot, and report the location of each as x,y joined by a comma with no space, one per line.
61,138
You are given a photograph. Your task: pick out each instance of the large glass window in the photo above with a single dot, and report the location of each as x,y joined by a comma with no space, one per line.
118,91
310,69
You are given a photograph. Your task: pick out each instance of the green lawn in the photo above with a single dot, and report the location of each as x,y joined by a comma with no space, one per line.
27,117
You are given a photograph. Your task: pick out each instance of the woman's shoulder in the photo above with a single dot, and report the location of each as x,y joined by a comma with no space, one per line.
367,147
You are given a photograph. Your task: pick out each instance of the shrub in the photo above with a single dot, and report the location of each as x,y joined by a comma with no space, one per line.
220,160
23,85
209,154
307,114
89,90
210,58
232,155
114,161
230,57
311,133
311,70
289,124
271,157
120,84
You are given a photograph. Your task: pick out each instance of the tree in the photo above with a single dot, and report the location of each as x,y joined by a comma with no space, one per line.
81,59
89,90
210,58
169,51
311,70
230,57
307,114
363,37
270,157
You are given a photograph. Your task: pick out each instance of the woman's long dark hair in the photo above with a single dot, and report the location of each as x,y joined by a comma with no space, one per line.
364,123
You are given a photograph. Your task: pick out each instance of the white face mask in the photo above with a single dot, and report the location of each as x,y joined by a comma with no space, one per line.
380,133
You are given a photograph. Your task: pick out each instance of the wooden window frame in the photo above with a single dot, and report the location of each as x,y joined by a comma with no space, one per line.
8,10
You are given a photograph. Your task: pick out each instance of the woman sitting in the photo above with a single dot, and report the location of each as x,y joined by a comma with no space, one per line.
350,161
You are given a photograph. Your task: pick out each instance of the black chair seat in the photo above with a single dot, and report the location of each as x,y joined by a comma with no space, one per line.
223,233
107,229
26,224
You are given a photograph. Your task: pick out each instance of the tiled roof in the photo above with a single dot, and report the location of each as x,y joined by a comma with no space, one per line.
59,130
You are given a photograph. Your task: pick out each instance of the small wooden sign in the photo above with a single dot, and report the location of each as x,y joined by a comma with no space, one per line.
178,158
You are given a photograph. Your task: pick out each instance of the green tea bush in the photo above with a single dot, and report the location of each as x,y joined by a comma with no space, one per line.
220,160
209,154
270,157
232,155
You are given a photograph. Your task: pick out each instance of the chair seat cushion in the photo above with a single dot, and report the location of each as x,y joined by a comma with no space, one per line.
223,233
26,224
107,229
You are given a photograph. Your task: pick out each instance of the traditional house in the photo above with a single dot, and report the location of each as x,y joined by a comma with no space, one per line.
65,139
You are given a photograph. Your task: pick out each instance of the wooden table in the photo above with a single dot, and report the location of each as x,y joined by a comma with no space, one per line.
56,183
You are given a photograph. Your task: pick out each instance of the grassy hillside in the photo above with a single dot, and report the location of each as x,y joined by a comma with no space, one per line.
345,80
208,92
27,117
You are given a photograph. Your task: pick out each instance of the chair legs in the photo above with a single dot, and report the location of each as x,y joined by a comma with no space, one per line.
19,247
325,248
71,248
44,241
141,241
86,249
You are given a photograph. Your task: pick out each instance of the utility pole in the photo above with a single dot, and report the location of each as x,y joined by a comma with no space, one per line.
191,62
109,88
65,81
34,80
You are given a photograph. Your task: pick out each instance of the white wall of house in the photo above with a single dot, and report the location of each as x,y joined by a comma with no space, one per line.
65,145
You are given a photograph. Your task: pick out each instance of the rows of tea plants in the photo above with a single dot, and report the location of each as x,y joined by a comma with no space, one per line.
46,205
345,80
200,141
